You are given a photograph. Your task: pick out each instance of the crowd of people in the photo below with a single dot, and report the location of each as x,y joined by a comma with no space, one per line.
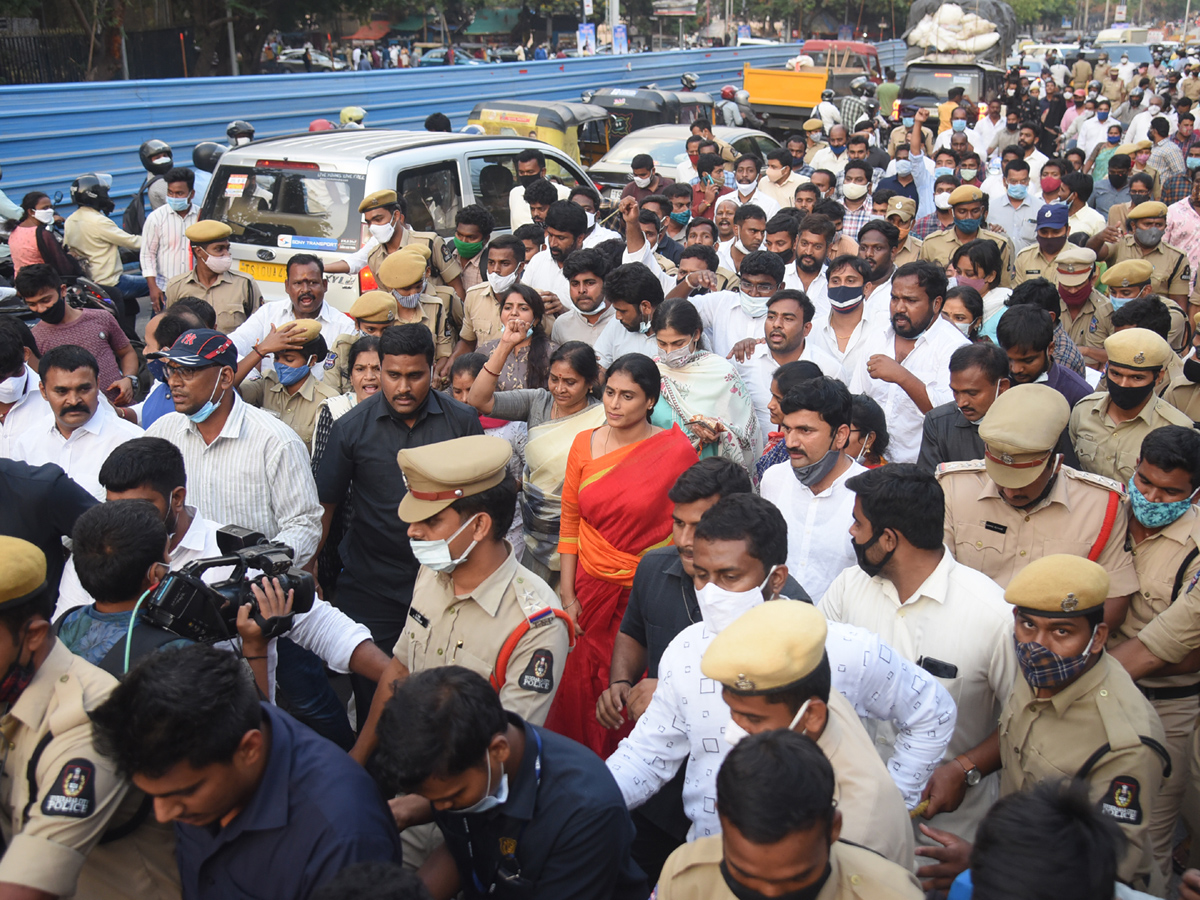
819,525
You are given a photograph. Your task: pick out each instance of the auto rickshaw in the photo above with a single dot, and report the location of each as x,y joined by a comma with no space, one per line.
580,129
632,109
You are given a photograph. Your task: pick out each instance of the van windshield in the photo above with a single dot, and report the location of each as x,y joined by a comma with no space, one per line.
292,208
919,82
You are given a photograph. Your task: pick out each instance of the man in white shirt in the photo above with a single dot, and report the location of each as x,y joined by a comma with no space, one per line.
811,492
988,127
584,271
958,125
633,292
22,405
947,617
833,158
531,165
588,200
749,232
306,286
747,187
814,238
1095,130
906,366
1082,217
780,182
843,332
566,224
83,428
738,557
165,248
1027,140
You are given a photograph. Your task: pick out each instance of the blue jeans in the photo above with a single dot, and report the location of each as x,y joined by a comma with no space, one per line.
133,286
300,677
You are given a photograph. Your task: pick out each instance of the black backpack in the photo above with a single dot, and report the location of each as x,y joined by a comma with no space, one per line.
134,219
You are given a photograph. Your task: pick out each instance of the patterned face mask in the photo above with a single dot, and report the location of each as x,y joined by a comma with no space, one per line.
1155,515
1043,668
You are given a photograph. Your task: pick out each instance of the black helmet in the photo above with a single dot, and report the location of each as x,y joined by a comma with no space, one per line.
872,107
92,190
826,94
239,129
689,80
206,155
156,157
863,86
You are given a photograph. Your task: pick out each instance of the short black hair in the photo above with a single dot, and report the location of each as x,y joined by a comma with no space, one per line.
749,518
114,546
12,348
659,200
857,263
69,358
749,211
818,224
1145,312
827,397
14,326
781,154
437,122
150,462
584,190
798,297
200,308
1172,447
776,783
704,253
512,243
471,363
180,173
860,165
1026,325
709,163
642,161
890,232
476,215
438,722
304,259
904,498
174,323
867,416
1079,184
406,340
563,215
587,259
374,880
807,188
931,277
541,192
794,373
678,314
532,154
763,262
580,357
1146,181
984,256
714,476
782,222
679,189
499,502
987,357
702,222
532,232
830,209
32,280
633,283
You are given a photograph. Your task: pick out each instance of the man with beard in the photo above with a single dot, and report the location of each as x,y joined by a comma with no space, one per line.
1026,334
566,225
905,367
633,291
1107,428
1004,510
879,244
584,271
306,286
814,240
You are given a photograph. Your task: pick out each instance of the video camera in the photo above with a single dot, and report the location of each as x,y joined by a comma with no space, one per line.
185,604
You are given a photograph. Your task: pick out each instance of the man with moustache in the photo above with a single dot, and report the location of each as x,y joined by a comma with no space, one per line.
306,286
814,238
566,225
1026,334
879,244
584,271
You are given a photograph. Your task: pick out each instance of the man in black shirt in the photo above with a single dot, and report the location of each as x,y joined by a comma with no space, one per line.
375,586
40,504
525,812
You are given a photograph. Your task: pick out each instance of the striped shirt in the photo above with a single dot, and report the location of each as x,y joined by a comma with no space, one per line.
256,474
166,251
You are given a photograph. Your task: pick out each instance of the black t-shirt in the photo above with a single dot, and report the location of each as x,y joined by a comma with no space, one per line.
40,504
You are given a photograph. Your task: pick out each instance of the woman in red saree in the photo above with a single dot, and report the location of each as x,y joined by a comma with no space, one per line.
614,510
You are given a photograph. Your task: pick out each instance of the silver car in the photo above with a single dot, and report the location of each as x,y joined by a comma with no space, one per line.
300,193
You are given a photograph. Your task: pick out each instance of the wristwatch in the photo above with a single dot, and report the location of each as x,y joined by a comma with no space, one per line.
134,379
974,776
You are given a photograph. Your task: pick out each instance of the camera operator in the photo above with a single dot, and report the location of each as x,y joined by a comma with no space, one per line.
262,806
152,469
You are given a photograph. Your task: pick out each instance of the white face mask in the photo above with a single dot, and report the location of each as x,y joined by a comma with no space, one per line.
382,233
677,357
219,264
854,191
739,246
641,182
964,327
719,607
487,801
734,733
45,216
501,283
745,190
13,389
754,307
941,201
436,555
591,218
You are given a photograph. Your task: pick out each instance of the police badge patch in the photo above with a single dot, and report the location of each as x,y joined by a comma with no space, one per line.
447,252
539,674
74,792
330,361
1122,801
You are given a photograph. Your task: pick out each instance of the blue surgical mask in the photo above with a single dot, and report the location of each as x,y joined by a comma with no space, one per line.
968,226
838,151
1193,162
904,167
644,328
179,204
1102,115
157,369
1155,515
959,125
942,170
1114,139
1018,191
289,375
908,121
209,407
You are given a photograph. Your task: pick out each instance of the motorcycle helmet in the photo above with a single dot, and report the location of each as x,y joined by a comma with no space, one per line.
727,92
156,157
862,86
471,129
1094,87
353,114
239,132
826,95
872,107
689,80
321,125
92,190
742,96
206,155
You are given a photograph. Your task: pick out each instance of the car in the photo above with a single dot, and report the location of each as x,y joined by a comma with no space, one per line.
299,193
928,81
437,57
293,61
666,145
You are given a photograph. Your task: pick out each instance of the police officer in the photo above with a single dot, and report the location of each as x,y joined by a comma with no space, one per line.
1107,428
1132,278
969,212
405,275
1183,388
71,825
372,312
1020,503
1085,313
288,389
814,138
1171,274
231,294
1038,259
900,212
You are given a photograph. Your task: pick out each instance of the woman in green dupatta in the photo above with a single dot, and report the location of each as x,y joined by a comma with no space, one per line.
555,416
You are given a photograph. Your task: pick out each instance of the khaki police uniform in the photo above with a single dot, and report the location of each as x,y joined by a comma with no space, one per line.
297,411
726,280
910,251
1033,263
811,150
1100,73
1098,728
1091,324
371,308
1081,73
905,209
1172,273
233,296
72,826
445,262
1183,394
775,645
1138,272
1168,566
481,315
693,872
404,269
940,246
899,138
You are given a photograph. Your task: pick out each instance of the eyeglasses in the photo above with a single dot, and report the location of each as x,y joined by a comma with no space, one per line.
184,373
759,289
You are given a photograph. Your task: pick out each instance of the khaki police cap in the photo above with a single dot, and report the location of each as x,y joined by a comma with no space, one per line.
1059,585
374,307
1137,348
1020,432
965,193
1075,265
304,330
904,207
1129,273
377,199
208,231
402,270
1151,209
421,247
1126,149
1142,145
22,572
813,125
767,647
438,474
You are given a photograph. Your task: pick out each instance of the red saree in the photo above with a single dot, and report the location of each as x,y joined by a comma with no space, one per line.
615,509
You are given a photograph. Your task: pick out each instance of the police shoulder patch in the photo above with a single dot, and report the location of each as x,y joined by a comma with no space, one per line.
963,465
539,674
1123,800
1093,325
330,360
447,252
1109,484
73,794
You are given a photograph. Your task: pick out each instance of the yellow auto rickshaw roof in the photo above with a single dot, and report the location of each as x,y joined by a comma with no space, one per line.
558,114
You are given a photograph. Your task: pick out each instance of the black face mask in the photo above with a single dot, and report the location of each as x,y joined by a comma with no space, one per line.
1129,397
527,180
787,256
742,892
1118,181
55,314
1191,370
1012,127
860,553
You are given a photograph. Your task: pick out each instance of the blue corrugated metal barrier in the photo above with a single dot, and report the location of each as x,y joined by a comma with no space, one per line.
51,133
